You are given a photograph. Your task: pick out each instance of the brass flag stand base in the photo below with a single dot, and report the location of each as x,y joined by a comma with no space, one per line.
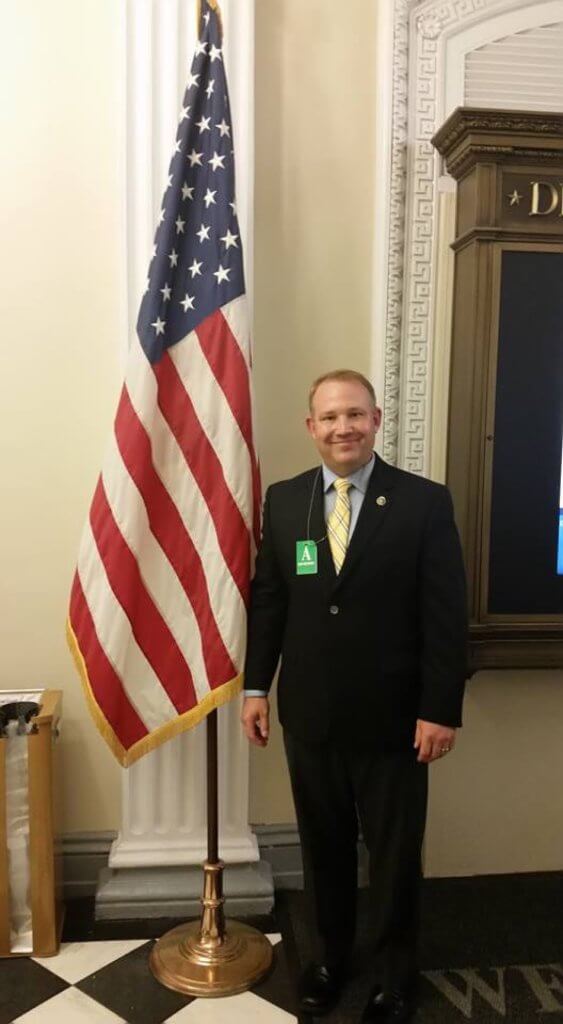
211,957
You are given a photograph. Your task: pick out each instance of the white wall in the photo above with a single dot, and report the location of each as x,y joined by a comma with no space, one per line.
496,803
61,294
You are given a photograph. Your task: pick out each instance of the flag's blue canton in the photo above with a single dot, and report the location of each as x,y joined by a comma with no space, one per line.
197,262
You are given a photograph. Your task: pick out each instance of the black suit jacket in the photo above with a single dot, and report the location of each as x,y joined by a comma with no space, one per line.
366,652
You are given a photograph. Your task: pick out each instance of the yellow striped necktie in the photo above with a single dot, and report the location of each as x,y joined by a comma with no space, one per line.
338,522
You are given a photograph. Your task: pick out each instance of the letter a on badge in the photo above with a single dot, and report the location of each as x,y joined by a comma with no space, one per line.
305,557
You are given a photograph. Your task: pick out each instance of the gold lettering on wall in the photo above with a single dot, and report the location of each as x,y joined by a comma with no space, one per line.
545,198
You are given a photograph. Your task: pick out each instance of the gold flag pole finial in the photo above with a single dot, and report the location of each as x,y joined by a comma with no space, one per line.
214,7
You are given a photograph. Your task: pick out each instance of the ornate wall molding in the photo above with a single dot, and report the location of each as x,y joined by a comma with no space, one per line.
429,22
420,103
396,240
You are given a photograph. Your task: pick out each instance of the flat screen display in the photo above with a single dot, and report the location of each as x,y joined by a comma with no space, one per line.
526,527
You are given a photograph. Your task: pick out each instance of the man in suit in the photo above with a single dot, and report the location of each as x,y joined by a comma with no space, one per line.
359,586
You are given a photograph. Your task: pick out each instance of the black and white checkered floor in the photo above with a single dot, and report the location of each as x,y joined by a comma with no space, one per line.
105,982
490,954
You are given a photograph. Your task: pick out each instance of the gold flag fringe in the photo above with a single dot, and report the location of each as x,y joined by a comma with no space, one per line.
214,699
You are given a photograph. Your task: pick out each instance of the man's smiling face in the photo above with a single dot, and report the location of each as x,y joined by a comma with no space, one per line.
343,424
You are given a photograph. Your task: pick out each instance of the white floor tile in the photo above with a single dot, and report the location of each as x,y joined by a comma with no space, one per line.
244,1009
69,1007
76,960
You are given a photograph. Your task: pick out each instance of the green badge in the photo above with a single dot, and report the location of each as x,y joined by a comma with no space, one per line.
306,557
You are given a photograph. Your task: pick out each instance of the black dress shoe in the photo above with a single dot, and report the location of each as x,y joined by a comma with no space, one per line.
388,1007
319,988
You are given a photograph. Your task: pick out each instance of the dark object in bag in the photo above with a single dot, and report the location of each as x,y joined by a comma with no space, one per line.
22,712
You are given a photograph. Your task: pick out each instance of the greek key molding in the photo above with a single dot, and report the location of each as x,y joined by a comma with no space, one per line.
432,19
419,31
396,244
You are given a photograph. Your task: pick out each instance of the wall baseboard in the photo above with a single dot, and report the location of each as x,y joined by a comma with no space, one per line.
85,855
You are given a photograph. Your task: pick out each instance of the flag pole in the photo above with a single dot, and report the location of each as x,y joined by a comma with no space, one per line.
212,956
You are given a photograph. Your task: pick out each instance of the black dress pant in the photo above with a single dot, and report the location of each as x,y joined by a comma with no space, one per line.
333,786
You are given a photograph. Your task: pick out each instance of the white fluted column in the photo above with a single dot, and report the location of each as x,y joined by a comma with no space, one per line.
164,795
164,818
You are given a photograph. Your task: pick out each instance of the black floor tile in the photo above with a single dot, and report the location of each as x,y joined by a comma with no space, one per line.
129,989
24,985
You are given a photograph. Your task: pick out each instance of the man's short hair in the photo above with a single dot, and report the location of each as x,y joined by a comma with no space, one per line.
342,375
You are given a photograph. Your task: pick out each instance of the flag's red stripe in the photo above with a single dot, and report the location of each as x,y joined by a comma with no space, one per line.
167,526
104,680
233,536
224,355
149,628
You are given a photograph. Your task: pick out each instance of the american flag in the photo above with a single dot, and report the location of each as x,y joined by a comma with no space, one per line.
158,604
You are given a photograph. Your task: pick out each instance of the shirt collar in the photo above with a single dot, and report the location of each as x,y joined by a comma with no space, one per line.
359,479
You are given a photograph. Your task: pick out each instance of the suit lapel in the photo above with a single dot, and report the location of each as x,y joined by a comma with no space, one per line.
374,510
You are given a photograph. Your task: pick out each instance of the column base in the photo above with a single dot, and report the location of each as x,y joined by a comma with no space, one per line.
131,893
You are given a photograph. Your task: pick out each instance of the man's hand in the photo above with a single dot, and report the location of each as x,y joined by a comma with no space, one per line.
255,718
432,740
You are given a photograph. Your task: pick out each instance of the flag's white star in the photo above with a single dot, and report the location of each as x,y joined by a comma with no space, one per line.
147,285
180,225
209,197
210,88
230,240
203,125
195,269
224,128
195,158
166,292
217,161
233,208
203,233
161,215
187,191
173,257
177,148
214,53
206,17
188,302
200,47
185,113
159,325
153,251
168,182
192,80
222,274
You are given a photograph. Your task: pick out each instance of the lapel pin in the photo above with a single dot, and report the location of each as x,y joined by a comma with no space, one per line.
381,500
